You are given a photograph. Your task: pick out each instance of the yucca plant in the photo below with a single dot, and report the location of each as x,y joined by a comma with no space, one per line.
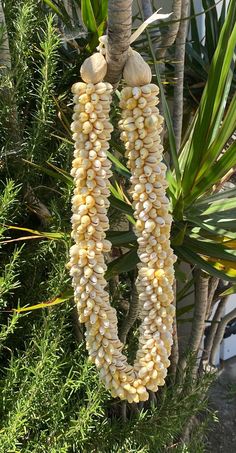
83,22
200,51
206,160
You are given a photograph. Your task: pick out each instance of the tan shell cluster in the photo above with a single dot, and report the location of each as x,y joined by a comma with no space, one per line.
141,125
94,68
136,70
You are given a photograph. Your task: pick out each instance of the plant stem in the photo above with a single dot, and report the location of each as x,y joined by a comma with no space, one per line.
168,38
199,315
119,32
124,411
5,57
78,328
212,332
220,289
179,74
68,7
147,8
220,333
132,313
213,285
175,347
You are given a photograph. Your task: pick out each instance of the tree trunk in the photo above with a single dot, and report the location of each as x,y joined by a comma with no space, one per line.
213,285
5,57
147,8
168,38
200,309
198,323
119,32
179,74
174,358
212,332
68,7
220,333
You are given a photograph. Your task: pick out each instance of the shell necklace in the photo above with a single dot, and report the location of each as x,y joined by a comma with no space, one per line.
141,125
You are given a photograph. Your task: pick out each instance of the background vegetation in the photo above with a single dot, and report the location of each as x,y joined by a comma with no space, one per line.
51,400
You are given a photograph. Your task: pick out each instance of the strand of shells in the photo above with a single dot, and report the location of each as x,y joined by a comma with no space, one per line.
141,126
91,171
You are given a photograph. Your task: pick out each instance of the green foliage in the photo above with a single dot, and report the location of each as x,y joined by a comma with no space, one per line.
88,14
43,388
21,52
8,280
206,159
198,53
7,330
10,266
45,106
207,155
8,201
52,400
197,232
208,119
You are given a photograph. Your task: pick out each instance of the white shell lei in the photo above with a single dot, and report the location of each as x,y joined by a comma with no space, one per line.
141,125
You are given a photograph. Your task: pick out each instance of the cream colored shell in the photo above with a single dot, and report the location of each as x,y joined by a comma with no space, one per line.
136,71
94,68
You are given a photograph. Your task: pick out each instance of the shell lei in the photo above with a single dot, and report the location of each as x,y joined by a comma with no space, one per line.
141,125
